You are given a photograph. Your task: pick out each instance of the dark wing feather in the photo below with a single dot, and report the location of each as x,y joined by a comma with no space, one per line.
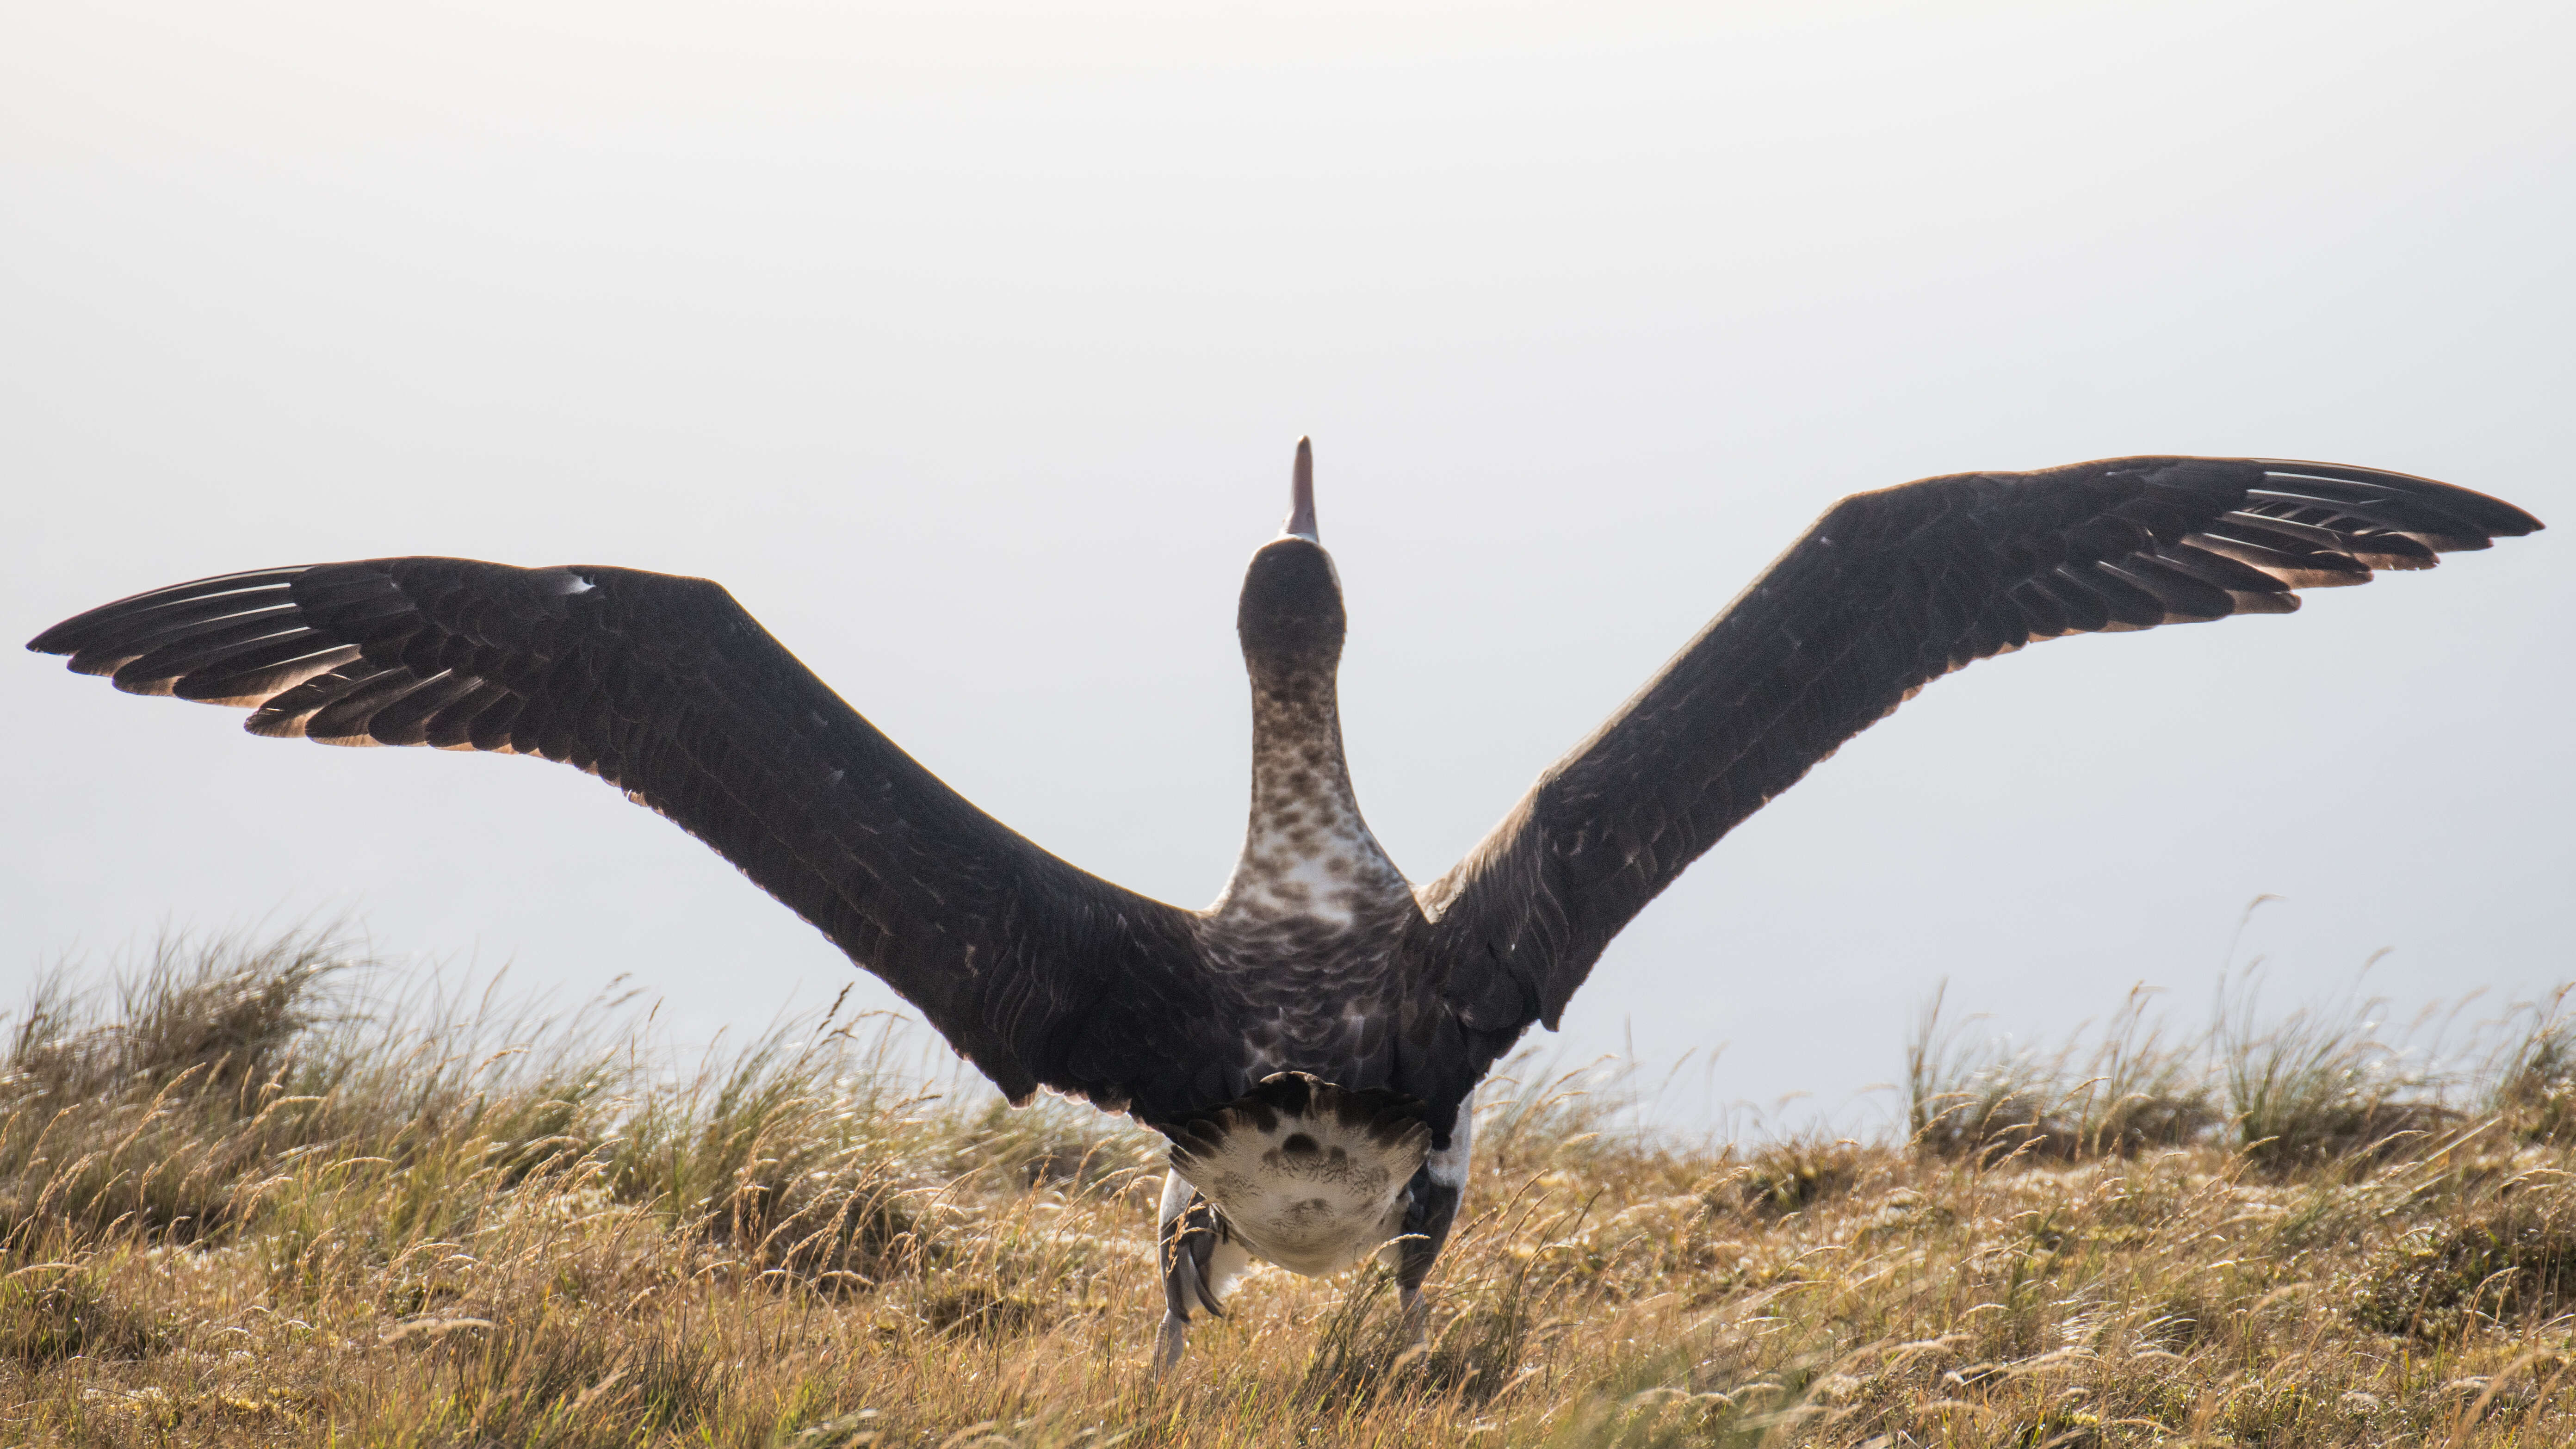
666,688
1887,592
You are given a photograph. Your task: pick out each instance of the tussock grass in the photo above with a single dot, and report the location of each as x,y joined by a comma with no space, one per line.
2132,1087
270,1193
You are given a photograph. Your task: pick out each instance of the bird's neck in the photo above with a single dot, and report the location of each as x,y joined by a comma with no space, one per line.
1307,853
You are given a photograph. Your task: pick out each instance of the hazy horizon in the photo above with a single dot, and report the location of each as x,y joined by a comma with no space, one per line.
967,344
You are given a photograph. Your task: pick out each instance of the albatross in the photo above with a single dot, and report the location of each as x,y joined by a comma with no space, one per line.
1311,1043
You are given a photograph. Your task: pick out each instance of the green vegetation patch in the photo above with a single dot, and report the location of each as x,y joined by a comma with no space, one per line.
2502,1263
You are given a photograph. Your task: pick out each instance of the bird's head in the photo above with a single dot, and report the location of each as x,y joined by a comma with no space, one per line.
1290,618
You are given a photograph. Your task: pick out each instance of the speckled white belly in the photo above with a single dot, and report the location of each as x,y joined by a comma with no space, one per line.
1313,1185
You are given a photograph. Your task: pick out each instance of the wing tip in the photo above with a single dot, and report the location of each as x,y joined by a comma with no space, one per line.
2491,515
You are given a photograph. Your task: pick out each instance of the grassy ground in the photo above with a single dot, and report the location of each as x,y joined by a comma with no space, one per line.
246,1199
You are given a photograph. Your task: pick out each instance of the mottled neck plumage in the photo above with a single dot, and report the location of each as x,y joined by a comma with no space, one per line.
1307,853
1306,850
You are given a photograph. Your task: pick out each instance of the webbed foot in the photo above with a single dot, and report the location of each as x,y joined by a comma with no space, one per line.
1168,1342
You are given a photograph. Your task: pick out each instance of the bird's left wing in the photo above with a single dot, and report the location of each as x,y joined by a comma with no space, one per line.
1887,592
1036,971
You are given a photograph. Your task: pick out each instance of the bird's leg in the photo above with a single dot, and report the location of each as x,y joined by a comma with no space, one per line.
1190,1233
1431,1206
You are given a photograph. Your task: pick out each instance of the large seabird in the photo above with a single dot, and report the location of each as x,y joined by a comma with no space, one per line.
1311,1042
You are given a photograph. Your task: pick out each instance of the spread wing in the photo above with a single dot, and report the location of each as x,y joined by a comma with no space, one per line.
664,687
1887,592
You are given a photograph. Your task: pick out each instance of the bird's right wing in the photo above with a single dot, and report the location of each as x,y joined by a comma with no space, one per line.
1887,592
1037,972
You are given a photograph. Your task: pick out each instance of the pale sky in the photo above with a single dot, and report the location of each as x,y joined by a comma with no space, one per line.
966,343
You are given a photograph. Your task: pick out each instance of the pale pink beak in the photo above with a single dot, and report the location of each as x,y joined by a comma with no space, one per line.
1301,495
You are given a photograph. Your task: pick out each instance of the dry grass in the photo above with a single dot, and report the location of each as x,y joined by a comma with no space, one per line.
245,1200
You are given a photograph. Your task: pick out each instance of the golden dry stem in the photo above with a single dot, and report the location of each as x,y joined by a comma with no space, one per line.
261,1210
